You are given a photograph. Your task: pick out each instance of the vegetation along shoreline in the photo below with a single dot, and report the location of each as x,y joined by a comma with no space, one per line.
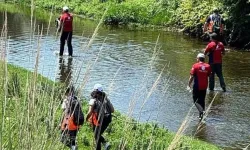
30,113
187,15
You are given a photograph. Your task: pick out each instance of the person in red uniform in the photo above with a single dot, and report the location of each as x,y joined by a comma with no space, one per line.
215,50
66,25
199,74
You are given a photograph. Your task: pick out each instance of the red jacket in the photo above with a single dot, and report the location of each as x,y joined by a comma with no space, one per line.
66,20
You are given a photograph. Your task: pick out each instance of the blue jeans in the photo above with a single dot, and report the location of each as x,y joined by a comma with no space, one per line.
216,69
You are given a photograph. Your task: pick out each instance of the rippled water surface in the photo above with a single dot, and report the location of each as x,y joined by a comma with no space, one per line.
124,62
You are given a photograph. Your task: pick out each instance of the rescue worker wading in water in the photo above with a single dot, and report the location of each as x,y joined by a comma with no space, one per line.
65,23
215,50
199,74
215,24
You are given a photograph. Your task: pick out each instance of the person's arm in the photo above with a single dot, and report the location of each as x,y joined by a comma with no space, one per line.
89,112
60,23
191,78
207,50
222,26
64,103
91,108
205,27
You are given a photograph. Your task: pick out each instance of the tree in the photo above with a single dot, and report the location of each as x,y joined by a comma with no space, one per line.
238,22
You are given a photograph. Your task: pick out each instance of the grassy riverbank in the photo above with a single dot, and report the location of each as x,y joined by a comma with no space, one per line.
30,113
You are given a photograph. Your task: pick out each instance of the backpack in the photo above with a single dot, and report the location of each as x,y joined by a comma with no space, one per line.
216,22
103,108
76,109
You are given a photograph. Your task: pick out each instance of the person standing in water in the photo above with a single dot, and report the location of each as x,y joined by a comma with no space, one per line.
66,26
215,24
215,50
199,74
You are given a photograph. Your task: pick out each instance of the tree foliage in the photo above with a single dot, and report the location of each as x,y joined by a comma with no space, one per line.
238,22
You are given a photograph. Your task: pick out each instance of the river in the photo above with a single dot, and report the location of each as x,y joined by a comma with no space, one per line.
123,60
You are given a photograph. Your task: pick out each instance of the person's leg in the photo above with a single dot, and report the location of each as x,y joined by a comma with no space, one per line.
65,138
96,130
201,102
62,42
99,131
220,76
195,99
105,124
106,121
201,99
73,134
69,40
211,78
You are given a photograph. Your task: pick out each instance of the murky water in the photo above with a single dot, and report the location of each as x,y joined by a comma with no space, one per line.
124,62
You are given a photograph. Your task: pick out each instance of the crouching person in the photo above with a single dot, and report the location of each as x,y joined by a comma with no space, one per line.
72,120
99,115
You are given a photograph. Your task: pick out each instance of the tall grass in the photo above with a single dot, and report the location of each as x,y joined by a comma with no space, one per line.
30,119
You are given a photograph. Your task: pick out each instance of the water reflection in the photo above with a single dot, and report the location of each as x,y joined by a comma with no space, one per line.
65,70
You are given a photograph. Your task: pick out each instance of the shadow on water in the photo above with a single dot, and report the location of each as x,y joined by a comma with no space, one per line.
227,124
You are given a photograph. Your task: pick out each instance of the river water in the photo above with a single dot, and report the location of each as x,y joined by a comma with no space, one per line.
123,60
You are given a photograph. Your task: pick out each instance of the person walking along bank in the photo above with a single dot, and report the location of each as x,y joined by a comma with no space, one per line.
72,119
66,27
215,50
99,115
199,74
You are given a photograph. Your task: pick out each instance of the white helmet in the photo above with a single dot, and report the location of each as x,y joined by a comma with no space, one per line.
200,55
65,8
98,87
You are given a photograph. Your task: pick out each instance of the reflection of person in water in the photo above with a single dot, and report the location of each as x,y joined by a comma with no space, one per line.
65,70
